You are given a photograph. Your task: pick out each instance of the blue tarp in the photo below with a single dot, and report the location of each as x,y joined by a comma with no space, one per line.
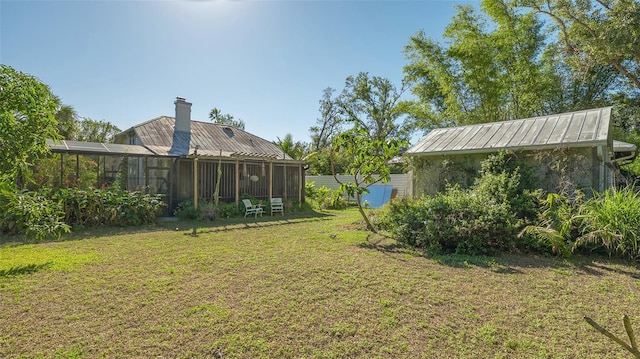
378,195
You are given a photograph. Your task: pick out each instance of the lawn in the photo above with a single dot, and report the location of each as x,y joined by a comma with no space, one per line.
299,287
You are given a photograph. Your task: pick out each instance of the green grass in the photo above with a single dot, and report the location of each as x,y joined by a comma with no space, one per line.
299,287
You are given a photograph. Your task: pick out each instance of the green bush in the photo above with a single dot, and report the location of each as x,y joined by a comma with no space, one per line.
612,219
229,210
323,197
30,213
109,206
556,227
458,221
186,210
207,210
482,219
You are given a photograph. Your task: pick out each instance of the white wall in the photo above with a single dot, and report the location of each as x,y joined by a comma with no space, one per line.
400,182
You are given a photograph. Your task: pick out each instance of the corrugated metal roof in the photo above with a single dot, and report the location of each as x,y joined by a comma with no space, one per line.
619,146
574,129
96,148
212,140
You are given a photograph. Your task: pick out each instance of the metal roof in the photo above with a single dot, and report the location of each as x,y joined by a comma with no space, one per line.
96,148
211,140
574,129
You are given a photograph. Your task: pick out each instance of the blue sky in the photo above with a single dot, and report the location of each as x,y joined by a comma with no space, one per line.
266,62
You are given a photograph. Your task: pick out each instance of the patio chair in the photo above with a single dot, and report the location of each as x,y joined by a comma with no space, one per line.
252,208
277,206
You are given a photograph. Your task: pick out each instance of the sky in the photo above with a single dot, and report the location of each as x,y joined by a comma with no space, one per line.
265,62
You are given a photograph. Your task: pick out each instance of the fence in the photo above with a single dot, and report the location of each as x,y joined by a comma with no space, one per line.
401,183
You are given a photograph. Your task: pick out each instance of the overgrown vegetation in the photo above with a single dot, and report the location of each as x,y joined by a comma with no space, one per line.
323,197
47,213
612,219
500,213
482,219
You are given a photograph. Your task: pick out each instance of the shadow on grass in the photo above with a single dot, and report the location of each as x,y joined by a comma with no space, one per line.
239,223
592,264
24,269
387,245
172,223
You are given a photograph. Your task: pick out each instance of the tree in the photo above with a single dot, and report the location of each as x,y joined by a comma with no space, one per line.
373,104
27,120
216,116
596,36
596,32
492,70
96,131
67,118
329,124
295,149
369,162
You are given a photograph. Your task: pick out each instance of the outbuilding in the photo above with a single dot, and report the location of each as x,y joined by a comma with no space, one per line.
566,151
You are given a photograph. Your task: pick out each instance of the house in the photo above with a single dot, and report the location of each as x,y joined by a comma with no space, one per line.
183,159
566,151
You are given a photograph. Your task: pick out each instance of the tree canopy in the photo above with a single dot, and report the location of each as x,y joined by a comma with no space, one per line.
295,149
499,64
27,120
329,124
216,116
596,32
492,69
373,103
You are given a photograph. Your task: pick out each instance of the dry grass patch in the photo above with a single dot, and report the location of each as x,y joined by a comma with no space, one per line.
300,287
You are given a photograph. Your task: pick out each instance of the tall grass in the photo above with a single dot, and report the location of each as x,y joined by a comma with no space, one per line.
612,219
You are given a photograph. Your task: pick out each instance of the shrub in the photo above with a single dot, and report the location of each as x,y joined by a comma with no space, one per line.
186,210
228,210
457,221
483,219
612,219
405,219
323,197
556,227
30,213
110,206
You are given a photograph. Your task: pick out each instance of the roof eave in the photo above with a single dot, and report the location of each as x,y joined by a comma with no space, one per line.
513,148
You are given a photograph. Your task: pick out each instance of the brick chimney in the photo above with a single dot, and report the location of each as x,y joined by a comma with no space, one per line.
183,115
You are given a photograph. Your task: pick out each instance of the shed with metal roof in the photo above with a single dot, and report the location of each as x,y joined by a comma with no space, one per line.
568,151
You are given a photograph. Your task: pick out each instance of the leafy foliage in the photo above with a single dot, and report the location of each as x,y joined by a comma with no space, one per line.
295,149
96,130
596,32
482,219
329,124
497,64
373,103
369,162
50,213
557,225
31,213
456,221
46,172
323,197
110,206
216,116
27,120
491,71
612,219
